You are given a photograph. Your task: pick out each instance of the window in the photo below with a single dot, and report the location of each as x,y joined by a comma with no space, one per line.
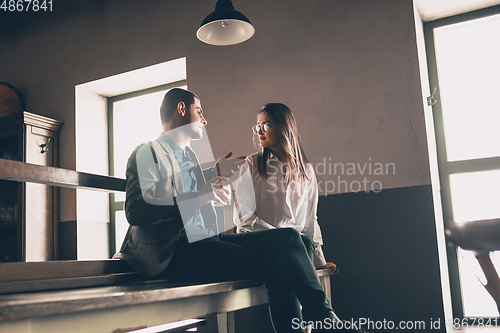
463,56
134,118
95,228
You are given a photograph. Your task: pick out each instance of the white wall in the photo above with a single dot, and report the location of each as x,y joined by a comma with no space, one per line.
433,166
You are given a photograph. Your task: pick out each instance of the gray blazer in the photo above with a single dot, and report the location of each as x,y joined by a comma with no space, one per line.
154,230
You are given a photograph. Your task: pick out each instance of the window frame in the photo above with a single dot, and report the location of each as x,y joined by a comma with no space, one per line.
447,168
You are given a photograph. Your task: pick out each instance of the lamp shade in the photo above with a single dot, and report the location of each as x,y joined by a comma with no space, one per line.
225,26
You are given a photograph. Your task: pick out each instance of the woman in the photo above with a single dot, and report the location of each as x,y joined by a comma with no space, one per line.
284,183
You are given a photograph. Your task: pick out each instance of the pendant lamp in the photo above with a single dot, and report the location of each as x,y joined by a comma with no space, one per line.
225,26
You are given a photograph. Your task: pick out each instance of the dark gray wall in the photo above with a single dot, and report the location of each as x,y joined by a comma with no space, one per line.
385,245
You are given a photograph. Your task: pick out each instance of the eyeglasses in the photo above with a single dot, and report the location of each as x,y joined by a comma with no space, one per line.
257,128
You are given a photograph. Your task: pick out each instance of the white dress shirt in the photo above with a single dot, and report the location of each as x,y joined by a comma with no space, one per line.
262,204
152,171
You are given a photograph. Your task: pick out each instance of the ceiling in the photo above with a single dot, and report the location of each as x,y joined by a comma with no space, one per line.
431,10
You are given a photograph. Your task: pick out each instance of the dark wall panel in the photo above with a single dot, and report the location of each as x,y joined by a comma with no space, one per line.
386,249
67,240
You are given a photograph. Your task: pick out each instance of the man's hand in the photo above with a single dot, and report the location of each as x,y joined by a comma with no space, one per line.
213,191
226,167
328,265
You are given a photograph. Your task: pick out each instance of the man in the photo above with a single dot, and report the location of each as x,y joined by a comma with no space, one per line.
168,206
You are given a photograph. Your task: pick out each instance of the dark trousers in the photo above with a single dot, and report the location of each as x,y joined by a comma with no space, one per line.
279,258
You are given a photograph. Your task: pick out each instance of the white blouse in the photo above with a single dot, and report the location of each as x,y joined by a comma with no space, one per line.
271,203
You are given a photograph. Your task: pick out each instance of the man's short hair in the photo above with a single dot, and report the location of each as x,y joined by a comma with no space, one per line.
172,98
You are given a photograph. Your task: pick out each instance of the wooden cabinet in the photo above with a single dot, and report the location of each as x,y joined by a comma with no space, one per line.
28,212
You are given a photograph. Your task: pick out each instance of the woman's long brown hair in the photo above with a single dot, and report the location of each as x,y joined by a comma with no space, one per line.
290,151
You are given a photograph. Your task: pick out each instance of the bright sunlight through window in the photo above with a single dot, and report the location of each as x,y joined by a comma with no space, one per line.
468,66
135,120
